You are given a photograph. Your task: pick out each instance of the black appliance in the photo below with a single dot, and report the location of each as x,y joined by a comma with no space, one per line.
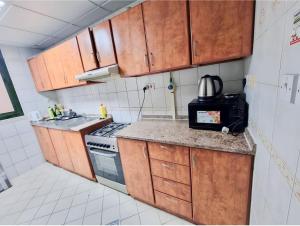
229,111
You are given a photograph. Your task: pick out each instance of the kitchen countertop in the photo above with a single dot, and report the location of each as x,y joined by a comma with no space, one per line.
75,124
178,133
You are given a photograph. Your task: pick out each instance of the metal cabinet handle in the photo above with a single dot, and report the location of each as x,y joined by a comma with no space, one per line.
194,160
98,56
146,59
145,153
194,48
152,59
167,165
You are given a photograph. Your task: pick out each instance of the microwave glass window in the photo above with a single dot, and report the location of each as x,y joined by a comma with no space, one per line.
212,117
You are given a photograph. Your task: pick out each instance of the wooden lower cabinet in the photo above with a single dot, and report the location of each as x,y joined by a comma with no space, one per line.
46,144
61,149
78,153
214,189
135,162
65,149
221,187
174,205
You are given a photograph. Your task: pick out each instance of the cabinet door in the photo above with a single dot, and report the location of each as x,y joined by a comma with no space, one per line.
71,61
166,26
46,144
220,30
135,162
39,73
221,185
130,43
104,44
61,149
55,67
79,155
88,55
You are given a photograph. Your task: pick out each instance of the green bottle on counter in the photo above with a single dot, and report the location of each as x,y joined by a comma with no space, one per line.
51,113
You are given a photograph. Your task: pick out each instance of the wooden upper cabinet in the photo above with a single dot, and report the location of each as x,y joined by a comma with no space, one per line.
221,187
130,43
220,30
55,67
135,162
167,35
104,44
39,73
61,149
71,61
87,52
46,144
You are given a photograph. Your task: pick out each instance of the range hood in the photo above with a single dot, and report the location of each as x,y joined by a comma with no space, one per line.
100,74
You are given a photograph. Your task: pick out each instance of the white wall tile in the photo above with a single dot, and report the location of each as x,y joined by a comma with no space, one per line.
133,99
17,155
13,143
158,98
157,80
120,85
213,69
5,160
233,70
123,99
189,76
131,84
8,130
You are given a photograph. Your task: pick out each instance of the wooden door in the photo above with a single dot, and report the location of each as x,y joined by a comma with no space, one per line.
135,162
221,187
72,65
166,26
130,43
87,52
61,149
39,73
55,67
104,44
79,155
221,30
46,144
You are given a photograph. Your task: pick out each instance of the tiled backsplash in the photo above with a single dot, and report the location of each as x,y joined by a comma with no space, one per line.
19,150
123,97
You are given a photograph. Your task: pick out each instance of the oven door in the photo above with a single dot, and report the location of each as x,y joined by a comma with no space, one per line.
107,164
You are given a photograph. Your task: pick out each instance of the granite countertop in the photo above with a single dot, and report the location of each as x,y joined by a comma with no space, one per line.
75,124
178,132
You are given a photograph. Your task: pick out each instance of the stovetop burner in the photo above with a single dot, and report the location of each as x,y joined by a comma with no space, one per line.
109,130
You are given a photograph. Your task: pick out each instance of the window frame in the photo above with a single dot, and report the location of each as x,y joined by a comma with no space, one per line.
11,92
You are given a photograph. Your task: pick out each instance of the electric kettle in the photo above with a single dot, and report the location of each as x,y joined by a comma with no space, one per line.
207,87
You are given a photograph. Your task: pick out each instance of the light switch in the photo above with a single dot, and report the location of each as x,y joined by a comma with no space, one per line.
286,87
297,92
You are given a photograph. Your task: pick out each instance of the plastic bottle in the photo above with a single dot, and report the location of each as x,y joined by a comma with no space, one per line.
103,111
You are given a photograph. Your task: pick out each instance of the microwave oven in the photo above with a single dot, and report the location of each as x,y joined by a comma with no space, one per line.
229,111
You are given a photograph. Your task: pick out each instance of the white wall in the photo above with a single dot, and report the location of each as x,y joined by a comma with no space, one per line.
274,122
19,150
123,97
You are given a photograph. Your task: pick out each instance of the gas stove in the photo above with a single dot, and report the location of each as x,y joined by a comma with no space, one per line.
105,157
104,138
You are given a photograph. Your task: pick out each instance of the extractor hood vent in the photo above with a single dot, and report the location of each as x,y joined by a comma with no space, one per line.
100,74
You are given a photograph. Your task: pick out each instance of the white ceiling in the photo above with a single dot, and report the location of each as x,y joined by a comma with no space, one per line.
42,23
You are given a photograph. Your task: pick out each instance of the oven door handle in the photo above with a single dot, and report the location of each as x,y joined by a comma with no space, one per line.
101,153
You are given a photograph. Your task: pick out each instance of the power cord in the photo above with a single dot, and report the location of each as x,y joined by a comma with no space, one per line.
144,90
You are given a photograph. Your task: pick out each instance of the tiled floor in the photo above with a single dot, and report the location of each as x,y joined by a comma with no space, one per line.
50,195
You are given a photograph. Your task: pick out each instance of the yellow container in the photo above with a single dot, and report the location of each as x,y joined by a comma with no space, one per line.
103,111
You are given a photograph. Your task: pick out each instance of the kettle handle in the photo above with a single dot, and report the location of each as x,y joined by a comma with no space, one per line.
217,78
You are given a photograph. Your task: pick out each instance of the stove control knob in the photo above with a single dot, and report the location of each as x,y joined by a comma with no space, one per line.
108,146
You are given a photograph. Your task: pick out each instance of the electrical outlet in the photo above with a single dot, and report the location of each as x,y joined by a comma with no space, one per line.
150,85
286,87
